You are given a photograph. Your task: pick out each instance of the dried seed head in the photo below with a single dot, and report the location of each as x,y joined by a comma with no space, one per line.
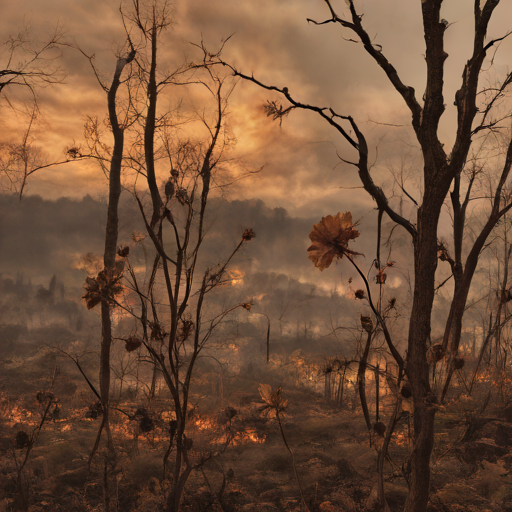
248,235
123,251
367,324
132,343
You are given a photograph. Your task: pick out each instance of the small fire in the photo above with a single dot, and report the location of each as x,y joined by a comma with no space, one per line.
248,435
205,423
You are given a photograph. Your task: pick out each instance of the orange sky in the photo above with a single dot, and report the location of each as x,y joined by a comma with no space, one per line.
273,40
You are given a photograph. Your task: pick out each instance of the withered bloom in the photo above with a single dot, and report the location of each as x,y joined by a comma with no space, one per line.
187,326
273,401
330,239
359,294
248,235
123,251
367,324
105,285
247,306
132,343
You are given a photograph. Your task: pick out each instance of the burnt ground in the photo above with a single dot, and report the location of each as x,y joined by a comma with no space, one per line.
334,454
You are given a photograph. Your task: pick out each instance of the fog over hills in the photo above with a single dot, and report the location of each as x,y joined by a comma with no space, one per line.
43,237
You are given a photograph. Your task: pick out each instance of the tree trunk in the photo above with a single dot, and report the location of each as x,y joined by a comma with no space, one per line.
425,255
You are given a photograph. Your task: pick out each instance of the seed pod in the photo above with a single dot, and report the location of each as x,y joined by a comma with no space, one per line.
359,294
123,251
132,343
95,410
367,324
248,235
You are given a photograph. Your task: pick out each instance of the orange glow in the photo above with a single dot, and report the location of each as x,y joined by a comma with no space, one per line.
235,277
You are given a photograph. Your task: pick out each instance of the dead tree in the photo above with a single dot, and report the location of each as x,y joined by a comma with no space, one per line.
440,173
178,173
102,289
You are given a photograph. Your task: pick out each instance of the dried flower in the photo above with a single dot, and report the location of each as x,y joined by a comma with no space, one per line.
74,152
157,332
248,235
367,324
359,294
187,326
123,251
182,195
442,252
132,343
274,403
381,276
330,239
247,306
95,410
105,285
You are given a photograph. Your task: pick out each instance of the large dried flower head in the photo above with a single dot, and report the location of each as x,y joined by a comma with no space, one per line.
105,285
273,401
132,343
359,294
123,251
330,238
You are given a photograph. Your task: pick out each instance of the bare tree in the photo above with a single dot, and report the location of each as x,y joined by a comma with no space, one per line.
101,289
441,172
27,64
177,173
